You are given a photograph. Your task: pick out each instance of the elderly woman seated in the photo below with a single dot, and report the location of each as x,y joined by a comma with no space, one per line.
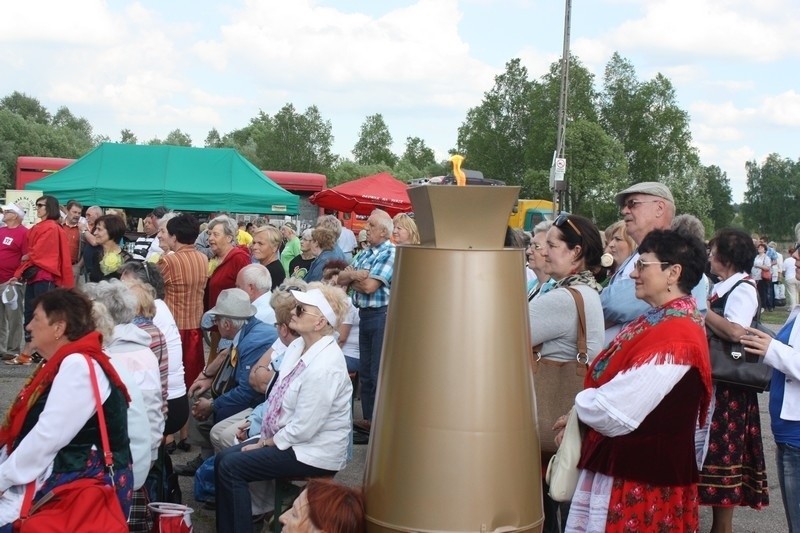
306,427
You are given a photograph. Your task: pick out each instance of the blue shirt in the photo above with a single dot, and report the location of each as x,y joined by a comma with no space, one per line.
255,338
785,431
379,261
317,267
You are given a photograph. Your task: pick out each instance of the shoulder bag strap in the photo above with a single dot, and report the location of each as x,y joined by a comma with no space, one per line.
108,457
583,349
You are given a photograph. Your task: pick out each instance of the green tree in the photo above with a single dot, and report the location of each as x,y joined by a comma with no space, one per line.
26,106
177,138
771,205
213,140
595,171
581,105
417,153
647,120
494,135
719,188
287,141
374,143
301,143
126,136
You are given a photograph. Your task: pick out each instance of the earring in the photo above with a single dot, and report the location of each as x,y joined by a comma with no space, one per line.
669,288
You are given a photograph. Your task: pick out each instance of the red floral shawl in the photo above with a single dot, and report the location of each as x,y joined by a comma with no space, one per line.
672,333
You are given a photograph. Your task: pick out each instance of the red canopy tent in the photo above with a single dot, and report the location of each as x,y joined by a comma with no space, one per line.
363,195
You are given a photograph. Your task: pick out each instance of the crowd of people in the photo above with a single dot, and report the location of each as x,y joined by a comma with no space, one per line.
292,317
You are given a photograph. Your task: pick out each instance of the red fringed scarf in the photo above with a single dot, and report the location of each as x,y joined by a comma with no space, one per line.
672,333
91,345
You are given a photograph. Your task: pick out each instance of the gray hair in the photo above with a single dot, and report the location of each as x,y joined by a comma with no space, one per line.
258,276
332,223
236,323
229,226
689,225
385,221
97,209
162,222
307,234
102,322
115,296
542,227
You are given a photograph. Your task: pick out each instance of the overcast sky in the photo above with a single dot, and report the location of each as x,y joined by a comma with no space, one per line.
153,66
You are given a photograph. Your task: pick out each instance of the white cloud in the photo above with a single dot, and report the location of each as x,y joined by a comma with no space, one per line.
410,56
782,109
712,28
77,22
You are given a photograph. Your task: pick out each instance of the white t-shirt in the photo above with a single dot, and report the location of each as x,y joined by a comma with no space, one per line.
164,321
789,267
350,348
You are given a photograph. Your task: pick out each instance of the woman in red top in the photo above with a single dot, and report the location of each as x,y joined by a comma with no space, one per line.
229,258
48,264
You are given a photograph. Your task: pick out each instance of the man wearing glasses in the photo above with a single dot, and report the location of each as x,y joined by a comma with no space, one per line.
644,207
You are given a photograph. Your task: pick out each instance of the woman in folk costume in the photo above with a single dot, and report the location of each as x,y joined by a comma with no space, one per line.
51,435
643,399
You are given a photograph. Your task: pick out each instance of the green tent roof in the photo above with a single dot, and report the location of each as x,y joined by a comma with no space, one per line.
179,177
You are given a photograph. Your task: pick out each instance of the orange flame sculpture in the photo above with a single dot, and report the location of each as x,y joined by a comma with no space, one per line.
461,178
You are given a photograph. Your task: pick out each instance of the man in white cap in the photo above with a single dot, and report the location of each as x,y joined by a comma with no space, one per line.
234,316
13,245
645,207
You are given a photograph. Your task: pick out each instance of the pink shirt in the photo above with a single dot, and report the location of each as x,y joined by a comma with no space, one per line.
13,245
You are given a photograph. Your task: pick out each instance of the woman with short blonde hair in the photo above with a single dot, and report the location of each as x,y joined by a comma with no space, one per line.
264,248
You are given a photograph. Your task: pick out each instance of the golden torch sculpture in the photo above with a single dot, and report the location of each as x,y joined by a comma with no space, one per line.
454,444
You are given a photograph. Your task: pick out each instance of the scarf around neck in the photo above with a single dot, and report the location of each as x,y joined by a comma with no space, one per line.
43,377
672,333
584,277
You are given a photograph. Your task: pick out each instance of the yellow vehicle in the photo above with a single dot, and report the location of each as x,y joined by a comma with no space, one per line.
527,213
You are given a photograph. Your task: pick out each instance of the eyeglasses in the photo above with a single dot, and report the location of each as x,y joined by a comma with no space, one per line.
564,218
631,203
536,246
40,205
640,265
299,310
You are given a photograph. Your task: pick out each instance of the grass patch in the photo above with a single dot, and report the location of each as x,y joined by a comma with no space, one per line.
778,316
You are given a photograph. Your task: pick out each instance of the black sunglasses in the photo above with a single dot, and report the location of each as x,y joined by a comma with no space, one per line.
562,219
299,310
41,205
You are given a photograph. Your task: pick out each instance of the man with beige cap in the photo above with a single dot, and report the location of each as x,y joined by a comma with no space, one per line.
644,207
13,245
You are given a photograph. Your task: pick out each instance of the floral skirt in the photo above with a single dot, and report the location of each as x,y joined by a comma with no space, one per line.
603,503
734,473
641,507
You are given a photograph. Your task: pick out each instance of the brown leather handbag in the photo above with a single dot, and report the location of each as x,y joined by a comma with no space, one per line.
556,383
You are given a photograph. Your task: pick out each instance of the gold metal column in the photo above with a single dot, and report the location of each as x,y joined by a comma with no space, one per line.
454,444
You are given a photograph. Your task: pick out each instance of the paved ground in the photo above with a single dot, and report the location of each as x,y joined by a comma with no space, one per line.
769,520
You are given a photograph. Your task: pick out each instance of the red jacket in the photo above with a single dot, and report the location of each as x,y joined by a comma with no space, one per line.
224,276
48,249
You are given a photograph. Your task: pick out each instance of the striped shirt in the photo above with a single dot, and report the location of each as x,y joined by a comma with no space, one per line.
379,261
185,275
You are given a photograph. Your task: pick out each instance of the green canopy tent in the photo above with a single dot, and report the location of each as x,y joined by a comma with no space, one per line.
179,177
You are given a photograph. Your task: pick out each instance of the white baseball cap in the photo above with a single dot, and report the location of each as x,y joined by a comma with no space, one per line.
14,208
317,299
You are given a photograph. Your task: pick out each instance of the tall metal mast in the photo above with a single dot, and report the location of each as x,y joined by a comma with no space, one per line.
557,170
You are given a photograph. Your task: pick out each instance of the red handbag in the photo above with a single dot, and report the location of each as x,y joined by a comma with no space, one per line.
86,505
